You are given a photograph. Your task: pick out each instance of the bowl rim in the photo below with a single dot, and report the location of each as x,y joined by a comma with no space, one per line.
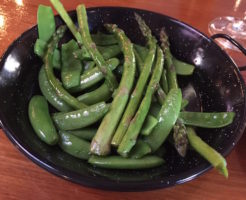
109,184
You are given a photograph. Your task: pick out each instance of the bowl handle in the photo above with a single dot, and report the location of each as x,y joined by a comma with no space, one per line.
234,42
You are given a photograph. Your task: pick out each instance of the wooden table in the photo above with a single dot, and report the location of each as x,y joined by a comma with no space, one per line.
22,179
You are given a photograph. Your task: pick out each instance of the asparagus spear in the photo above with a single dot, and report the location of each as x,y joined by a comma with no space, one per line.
180,138
92,49
130,138
211,155
100,144
141,83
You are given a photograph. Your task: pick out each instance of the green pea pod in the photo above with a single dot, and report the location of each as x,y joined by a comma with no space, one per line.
88,66
109,51
71,67
57,59
41,121
104,39
80,118
74,146
118,162
93,76
50,93
211,155
142,51
98,95
183,68
139,150
40,47
164,82
82,54
166,119
46,22
149,125
207,120
85,133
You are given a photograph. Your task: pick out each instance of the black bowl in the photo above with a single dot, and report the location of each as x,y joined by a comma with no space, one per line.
216,85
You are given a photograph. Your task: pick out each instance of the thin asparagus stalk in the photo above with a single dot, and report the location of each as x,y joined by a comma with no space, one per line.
180,138
141,83
92,49
130,138
100,144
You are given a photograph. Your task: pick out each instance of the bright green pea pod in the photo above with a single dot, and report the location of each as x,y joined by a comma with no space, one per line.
41,121
74,146
82,54
211,155
56,59
40,47
118,162
85,133
166,119
207,120
71,67
50,94
140,149
88,66
109,51
104,39
149,125
80,118
98,95
182,68
46,22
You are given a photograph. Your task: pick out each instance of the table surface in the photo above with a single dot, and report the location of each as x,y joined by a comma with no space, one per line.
20,178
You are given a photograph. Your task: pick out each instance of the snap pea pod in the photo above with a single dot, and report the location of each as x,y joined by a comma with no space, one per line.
93,76
102,93
109,51
84,133
130,138
71,67
171,73
182,68
40,47
207,120
46,23
166,119
118,162
149,125
89,65
74,146
139,88
50,94
207,152
164,82
101,142
80,118
56,62
139,150
92,49
82,54
141,50
180,138
67,19
60,91
139,61
41,121
102,39
161,95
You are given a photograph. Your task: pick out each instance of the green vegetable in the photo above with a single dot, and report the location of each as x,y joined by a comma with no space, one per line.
142,51
71,67
74,146
93,76
85,133
207,120
184,103
102,93
180,138
89,65
166,119
109,51
149,125
82,54
41,121
50,94
40,47
92,49
183,68
56,62
164,82
118,162
130,138
211,155
104,39
80,118
46,23
101,142
137,93
139,150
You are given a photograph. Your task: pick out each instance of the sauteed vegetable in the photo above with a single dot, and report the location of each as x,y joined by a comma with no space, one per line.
102,89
